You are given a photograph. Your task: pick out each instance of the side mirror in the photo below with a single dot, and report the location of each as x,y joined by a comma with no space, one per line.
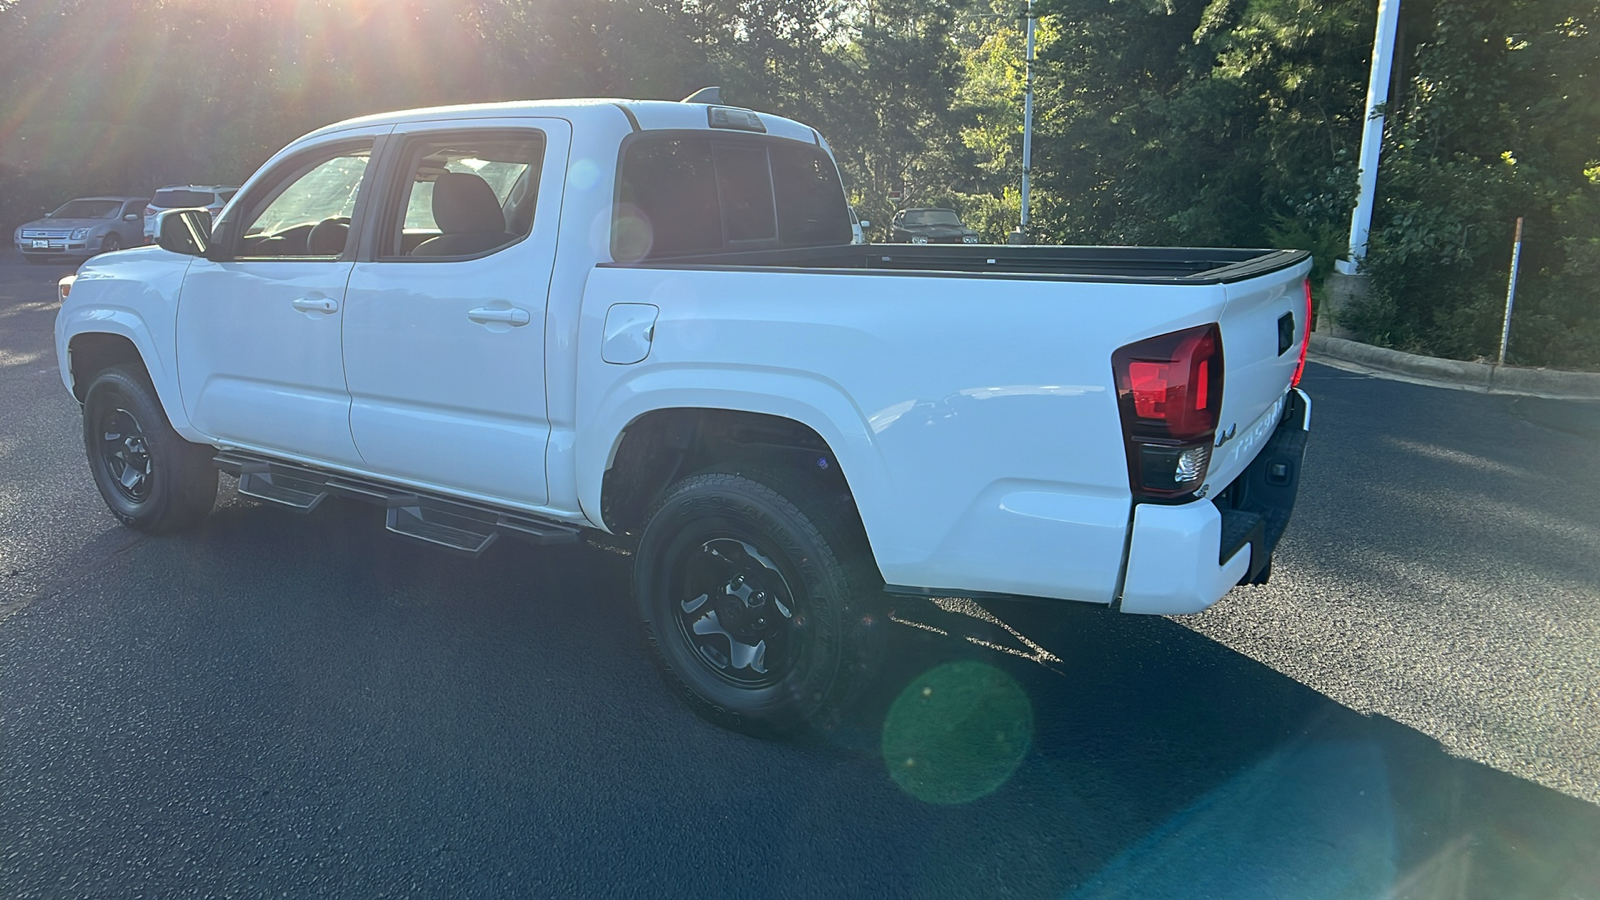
186,231
865,224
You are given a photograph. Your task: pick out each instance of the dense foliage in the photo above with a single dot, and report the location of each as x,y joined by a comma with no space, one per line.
1158,121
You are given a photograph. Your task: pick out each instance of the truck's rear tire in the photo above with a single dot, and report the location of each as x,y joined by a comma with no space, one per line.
759,600
151,479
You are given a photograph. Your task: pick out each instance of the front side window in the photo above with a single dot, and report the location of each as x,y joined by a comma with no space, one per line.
308,213
466,195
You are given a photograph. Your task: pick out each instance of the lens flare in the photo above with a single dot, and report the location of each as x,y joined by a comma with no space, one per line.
957,733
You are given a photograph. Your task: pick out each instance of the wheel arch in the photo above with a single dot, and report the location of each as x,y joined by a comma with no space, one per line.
658,439
91,352
114,337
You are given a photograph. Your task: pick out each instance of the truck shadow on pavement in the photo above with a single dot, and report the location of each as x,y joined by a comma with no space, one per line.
496,727
1193,770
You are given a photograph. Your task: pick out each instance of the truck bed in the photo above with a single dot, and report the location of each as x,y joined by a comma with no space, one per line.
1138,265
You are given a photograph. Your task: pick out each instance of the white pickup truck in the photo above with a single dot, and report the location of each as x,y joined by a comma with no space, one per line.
526,320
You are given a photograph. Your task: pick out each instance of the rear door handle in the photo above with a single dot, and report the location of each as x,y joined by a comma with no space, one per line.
317,304
514,317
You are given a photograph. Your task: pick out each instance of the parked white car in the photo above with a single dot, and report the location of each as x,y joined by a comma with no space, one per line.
211,198
858,228
647,318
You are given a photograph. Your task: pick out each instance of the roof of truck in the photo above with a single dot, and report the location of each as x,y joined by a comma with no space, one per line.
640,115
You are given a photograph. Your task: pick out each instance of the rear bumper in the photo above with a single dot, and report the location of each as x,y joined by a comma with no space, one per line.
1184,558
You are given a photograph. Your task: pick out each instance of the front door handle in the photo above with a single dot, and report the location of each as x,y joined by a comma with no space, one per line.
514,317
317,304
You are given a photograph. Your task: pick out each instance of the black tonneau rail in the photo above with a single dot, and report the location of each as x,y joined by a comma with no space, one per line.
1139,265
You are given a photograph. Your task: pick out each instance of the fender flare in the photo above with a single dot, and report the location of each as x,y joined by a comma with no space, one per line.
129,325
811,401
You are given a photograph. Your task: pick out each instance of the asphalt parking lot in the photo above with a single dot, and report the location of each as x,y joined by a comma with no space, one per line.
304,706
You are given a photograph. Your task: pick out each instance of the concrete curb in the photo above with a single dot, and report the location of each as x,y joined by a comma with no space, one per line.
1551,383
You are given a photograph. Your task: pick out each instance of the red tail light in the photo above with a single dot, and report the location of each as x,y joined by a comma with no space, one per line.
1169,392
1305,343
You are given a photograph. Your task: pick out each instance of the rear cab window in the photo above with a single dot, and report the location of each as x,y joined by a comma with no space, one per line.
681,193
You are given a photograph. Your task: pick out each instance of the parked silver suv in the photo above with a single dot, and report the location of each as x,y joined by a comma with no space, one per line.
211,198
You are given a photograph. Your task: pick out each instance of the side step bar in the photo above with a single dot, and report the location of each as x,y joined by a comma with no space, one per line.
438,521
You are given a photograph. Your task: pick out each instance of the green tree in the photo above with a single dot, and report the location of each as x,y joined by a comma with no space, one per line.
1199,122
1501,119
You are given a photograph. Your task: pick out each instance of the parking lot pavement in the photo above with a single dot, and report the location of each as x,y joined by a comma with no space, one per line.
279,704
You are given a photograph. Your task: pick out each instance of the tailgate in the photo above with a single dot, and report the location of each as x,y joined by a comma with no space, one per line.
1264,326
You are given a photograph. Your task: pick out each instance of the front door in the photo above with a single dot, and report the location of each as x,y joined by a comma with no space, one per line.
259,333
444,330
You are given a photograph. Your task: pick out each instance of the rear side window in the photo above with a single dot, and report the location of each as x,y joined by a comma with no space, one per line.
682,194
466,195
180,198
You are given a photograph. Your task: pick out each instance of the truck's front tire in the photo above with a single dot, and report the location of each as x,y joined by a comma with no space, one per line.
758,600
151,479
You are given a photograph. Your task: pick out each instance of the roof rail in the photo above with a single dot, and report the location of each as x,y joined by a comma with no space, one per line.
710,95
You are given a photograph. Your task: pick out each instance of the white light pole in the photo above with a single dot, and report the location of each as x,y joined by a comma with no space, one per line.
1372,134
1020,236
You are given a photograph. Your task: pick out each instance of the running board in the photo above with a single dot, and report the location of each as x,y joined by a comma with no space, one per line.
445,528
298,494
438,521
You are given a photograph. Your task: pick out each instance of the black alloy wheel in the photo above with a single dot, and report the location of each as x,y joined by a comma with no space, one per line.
150,477
757,594
124,454
737,611
111,242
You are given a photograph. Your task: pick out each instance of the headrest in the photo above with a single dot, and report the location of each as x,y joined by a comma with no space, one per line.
464,202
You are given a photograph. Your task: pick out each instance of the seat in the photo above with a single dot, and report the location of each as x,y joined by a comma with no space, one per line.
468,215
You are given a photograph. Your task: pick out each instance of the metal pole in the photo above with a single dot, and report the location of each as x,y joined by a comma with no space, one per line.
1372,134
1027,130
1511,291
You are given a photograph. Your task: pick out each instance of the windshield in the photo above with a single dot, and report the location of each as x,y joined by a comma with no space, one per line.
87,209
931,217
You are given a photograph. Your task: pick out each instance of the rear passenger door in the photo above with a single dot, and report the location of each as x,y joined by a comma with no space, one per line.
444,329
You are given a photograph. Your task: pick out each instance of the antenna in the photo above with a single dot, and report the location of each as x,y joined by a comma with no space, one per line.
709,95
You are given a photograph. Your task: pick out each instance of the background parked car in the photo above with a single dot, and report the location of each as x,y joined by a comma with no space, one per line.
930,226
81,228
858,228
211,198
